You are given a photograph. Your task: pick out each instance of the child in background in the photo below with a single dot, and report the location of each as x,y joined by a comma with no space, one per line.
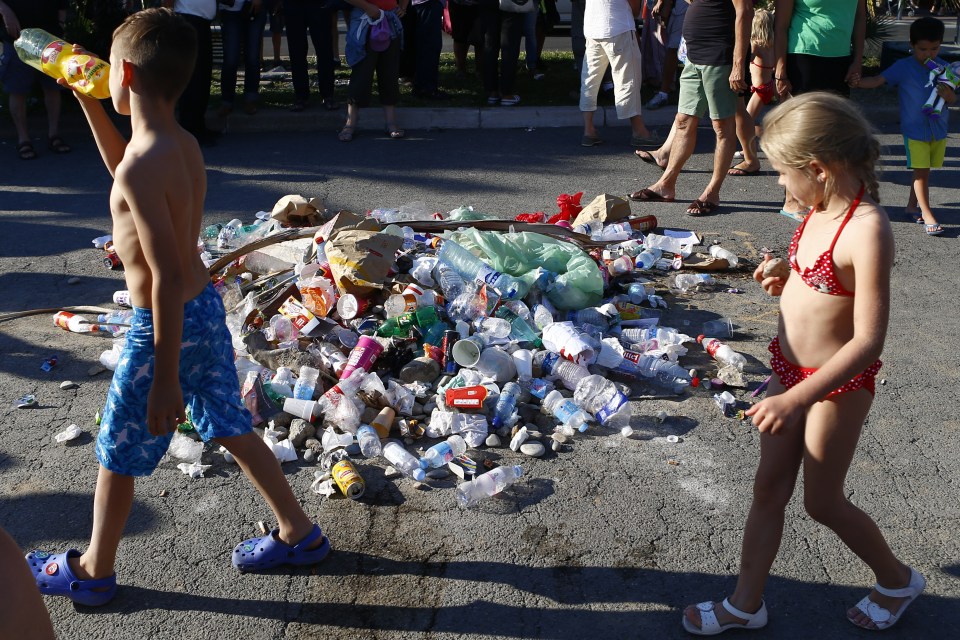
924,137
761,80
825,359
178,346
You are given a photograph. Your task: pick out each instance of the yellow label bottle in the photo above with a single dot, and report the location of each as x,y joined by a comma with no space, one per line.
55,57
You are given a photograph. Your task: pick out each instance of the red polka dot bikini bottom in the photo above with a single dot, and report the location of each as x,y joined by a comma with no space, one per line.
791,374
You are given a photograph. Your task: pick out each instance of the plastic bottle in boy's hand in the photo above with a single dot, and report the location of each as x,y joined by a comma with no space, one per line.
55,57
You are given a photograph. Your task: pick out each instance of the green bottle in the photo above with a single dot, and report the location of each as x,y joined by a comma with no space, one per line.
400,325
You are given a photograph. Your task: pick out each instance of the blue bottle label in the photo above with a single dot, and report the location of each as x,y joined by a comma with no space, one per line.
566,410
611,407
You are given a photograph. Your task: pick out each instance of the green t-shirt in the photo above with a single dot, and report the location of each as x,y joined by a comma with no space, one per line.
822,27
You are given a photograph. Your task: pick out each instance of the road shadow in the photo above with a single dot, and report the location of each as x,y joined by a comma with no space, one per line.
586,599
34,517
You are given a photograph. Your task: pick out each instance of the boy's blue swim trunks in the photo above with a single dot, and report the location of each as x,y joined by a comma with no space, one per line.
208,379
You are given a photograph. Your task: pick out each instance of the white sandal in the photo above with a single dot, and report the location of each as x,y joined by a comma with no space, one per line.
881,617
708,619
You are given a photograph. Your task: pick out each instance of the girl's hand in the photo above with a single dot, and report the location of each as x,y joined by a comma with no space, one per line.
373,11
775,413
773,285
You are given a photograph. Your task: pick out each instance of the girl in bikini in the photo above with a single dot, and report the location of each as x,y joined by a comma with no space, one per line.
834,308
762,91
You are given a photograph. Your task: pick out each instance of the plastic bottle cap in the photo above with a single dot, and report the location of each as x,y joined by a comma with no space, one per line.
673,439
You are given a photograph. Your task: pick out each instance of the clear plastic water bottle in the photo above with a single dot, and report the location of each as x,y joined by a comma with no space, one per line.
332,357
601,397
719,252
668,373
615,232
450,281
369,441
568,373
282,382
566,411
506,403
443,452
487,485
472,268
306,383
404,461
492,328
684,282
637,292
648,257
542,315
722,353
591,315
664,243
520,329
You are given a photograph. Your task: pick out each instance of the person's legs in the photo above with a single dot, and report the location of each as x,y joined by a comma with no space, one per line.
489,17
22,613
530,40
196,96
318,17
511,29
833,429
261,467
773,485
429,16
745,135
232,26
921,190
682,142
578,42
295,15
594,66
18,112
725,130
626,69
388,86
252,46
112,501
411,44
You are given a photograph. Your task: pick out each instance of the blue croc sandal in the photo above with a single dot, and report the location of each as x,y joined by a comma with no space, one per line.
54,578
260,554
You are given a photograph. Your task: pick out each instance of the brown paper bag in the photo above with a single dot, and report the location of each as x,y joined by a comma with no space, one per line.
604,208
297,211
360,260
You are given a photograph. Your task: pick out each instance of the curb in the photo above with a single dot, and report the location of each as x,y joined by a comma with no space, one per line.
438,119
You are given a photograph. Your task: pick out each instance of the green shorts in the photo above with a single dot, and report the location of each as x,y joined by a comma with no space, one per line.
924,155
704,86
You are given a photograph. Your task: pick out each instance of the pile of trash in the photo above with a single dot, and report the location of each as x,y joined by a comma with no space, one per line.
359,335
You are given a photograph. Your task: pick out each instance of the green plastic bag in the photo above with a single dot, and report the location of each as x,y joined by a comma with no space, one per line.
468,214
578,284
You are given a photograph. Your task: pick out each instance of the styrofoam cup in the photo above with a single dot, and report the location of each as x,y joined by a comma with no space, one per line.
466,352
301,408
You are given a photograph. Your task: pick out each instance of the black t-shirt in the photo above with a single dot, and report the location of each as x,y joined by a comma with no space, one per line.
709,29
40,14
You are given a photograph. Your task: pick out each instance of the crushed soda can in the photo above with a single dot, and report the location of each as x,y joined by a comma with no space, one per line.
25,401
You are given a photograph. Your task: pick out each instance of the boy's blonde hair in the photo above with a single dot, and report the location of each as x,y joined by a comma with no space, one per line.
163,48
826,128
761,31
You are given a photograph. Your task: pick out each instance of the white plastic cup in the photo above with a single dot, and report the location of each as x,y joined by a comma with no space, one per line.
305,409
719,328
523,361
466,352
496,363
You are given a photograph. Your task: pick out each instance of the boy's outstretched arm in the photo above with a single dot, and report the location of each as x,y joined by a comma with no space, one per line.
870,82
147,197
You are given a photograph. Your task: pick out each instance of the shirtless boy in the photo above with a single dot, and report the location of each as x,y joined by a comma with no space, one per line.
178,348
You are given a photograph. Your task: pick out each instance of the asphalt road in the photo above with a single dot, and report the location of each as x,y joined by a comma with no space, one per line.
608,539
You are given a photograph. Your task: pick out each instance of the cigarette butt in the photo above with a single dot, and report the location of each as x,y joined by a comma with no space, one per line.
262,528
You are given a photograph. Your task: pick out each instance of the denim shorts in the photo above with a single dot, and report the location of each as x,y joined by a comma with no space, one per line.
208,380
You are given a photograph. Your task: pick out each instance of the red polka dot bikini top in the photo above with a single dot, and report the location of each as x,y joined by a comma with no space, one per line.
821,276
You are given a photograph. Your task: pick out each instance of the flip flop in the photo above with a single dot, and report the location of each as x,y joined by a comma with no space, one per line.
57,145
701,208
26,151
916,216
590,141
346,134
647,157
883,618
646,195
395,132
54,578
933,229
740,171
260,554
709,626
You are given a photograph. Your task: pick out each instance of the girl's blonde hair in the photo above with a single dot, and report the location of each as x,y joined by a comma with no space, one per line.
761,31
826,128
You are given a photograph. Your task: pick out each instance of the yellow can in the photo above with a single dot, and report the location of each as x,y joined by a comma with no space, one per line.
348,479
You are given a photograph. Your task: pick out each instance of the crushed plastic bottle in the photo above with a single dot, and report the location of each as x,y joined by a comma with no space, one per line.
472,268
722,353
369,441
403,460
443,452
684,282
506,403
487,485
601,397
571,416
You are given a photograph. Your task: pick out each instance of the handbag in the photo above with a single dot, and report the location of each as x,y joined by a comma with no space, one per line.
518,6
